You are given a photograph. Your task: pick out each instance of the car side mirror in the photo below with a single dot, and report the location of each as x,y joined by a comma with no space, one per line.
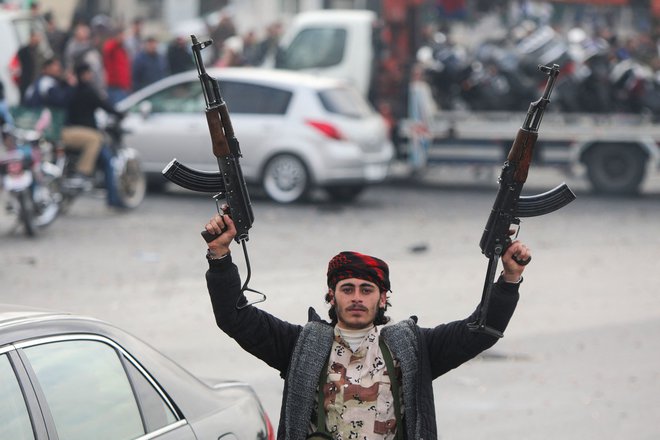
145,109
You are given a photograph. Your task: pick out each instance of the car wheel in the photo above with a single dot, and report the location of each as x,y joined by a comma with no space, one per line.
616,169
285,179
345,194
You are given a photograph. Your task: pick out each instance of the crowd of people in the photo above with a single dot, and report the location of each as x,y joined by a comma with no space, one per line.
126,59
122,60
98,62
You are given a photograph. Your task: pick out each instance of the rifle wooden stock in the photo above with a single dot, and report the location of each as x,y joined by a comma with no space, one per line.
521,153
218,138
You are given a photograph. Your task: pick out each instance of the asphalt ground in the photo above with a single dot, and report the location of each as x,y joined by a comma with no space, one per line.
580,359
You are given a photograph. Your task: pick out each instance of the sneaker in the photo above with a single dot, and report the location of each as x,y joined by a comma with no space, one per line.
78,182
117,207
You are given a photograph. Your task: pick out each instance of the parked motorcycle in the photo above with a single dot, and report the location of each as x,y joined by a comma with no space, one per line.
29,179
118,170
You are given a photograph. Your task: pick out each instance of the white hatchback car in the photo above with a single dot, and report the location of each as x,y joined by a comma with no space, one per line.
296,131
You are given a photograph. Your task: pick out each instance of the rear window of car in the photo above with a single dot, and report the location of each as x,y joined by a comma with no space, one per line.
254,98
346,102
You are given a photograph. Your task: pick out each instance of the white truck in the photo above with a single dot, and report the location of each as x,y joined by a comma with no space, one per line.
618,150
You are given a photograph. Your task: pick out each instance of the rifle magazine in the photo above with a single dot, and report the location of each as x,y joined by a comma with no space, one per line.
545,203
195,180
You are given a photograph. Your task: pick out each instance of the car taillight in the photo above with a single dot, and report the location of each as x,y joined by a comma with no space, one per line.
269,426
327,129
15,69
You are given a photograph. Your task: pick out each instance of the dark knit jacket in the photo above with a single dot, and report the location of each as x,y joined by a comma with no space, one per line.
299,353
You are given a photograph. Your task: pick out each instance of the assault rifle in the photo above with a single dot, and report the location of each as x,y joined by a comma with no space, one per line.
229,183
510,206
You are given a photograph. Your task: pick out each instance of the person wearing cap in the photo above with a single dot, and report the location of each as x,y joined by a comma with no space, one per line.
81,49
357,376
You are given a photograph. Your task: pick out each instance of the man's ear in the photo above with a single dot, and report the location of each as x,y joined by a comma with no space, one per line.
383,299
331,295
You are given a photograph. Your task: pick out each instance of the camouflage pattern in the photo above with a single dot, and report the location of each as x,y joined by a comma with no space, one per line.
358,397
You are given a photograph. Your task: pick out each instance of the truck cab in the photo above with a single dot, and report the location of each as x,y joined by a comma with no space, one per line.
371,50
335,43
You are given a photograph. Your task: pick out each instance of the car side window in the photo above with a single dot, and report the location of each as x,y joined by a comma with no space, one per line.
255,99
313,48
155,411
346,102
15,421
181,98
87,390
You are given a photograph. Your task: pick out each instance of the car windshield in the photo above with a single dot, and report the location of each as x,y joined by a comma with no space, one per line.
322,47
346,102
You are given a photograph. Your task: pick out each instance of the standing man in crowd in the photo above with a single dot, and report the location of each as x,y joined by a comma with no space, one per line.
80,49
224,29
117,66
179,57
354,377
57,38
31,60
134,40
149,65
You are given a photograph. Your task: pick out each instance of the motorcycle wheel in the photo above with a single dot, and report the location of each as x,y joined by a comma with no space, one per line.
131,180
47,204
26,213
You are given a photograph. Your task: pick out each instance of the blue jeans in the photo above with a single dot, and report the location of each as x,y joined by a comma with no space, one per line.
4,113
105,161
116,94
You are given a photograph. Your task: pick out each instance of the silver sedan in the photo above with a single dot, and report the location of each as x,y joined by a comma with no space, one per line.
70,377
297,132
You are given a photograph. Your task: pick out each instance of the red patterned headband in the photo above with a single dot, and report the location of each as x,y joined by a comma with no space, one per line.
355,265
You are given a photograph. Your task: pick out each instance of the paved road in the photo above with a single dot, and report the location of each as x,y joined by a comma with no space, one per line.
581,358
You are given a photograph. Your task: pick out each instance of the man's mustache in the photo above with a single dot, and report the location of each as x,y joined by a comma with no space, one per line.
357,307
